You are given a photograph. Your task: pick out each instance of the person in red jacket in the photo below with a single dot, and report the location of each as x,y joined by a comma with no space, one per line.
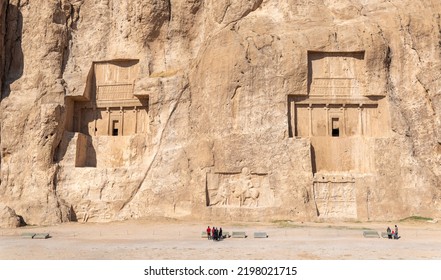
208,232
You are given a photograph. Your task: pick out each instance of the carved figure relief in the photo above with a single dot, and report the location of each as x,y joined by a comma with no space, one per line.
247,194
222,196
243,189
335,197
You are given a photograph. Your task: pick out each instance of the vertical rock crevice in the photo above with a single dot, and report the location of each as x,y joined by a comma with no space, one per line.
13,53
3,8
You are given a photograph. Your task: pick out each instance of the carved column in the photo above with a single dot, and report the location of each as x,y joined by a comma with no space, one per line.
310,120
343,122
108,121
121,111
360,119
292,118
135,110
327,119
95,117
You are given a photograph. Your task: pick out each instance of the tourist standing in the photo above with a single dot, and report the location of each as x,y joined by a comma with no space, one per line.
208,232
389,233
216,234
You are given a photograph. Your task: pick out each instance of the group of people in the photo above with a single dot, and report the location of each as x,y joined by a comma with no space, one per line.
392,234
214,233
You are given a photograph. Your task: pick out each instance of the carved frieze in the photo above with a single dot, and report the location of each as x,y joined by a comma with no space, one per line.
244,189
335,197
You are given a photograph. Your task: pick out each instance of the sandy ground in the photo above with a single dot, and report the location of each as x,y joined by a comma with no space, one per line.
164,240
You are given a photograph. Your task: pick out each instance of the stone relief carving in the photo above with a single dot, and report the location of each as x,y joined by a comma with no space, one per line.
335,196
247,194
336,115
115,79
335,73
244,189
108,107
112,108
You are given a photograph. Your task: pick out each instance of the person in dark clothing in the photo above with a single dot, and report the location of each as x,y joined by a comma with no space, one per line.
215,234
389,233
220,233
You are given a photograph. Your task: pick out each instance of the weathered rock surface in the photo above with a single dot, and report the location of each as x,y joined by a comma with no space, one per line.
234,110
8,218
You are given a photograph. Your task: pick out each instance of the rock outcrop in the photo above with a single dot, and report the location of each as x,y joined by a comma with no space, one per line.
8,218
234,110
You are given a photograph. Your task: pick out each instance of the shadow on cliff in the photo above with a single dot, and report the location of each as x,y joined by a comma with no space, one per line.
88,156
14,63
313,160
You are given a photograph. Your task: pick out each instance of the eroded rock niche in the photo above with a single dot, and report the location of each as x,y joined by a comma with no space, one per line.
108,119
342,122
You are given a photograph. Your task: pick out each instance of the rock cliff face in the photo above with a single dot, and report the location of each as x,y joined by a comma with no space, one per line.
232,110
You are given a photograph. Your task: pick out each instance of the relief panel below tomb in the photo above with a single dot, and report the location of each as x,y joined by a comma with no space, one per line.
239,190
335,199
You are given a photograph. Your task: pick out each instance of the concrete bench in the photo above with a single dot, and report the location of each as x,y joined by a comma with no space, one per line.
41,236
384,234
239,234
29,235
370,234
260,234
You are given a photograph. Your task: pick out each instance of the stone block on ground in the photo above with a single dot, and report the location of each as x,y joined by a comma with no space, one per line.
41,236
260,234
239,234
370,234
29,235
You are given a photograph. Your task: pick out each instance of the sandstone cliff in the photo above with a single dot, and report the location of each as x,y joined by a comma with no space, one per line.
234,110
